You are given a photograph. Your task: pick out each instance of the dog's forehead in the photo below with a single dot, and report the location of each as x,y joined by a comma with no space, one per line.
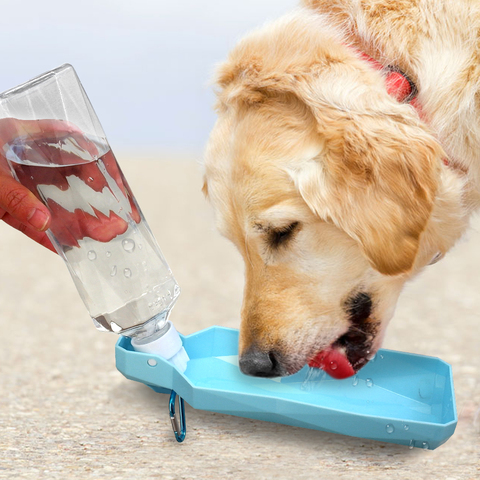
248,165
243,197
242,203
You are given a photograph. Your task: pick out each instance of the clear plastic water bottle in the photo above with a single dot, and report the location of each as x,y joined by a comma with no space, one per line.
61,154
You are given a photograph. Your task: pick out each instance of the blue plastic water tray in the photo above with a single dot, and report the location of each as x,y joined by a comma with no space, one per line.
399,397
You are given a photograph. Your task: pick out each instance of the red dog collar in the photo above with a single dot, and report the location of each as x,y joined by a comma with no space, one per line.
398,84
404,90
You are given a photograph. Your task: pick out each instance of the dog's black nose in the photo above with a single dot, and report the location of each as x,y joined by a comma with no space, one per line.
359,308
260,363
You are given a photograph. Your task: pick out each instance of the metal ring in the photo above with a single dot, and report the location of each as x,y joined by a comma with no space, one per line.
179,430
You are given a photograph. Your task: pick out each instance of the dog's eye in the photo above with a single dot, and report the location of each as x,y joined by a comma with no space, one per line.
282,235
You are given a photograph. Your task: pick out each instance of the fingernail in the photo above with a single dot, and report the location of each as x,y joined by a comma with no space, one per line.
38,219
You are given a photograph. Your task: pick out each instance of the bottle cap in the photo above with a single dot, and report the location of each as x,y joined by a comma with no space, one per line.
167,345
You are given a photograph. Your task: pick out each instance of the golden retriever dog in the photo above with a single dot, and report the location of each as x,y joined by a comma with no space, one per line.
334,191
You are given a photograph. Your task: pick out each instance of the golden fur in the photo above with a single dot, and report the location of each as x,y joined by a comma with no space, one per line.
326,184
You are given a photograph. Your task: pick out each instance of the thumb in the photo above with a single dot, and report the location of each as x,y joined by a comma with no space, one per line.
22,204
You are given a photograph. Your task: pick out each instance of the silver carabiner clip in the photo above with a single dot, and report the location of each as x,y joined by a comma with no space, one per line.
179,430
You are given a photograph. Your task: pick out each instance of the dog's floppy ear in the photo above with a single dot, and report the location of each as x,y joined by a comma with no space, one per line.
377,174
246,83
376,178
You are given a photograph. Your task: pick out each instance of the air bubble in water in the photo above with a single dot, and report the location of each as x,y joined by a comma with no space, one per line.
425,445
333,365
90,179
108,254
411,444
355,381
406,427
390,428
113,271
369,382
91,255
127,272
128,245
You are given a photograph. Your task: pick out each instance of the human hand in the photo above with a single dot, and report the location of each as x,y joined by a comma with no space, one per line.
19,207
78,209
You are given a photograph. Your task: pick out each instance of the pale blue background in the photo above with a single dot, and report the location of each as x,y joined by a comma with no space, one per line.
145,64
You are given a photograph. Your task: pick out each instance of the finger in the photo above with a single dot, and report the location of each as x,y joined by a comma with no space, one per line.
22,204
61,127
11,128
115,172
39,237
70,227
101,227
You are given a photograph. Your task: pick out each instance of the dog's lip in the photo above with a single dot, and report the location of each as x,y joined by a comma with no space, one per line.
334,361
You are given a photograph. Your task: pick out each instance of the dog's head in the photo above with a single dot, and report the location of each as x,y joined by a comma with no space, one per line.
325,185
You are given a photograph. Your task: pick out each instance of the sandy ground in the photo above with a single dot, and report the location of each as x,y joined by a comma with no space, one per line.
67,413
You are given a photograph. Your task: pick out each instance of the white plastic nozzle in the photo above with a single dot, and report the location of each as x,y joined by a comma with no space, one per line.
168,346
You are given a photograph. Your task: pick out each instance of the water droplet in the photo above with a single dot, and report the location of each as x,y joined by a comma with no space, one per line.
108,254
406,427
371,357
355,381
113,271
333,365
152,362
381,357
90,179
390,428
116,328
128,245
127,272
411,444
425,445
313,378
369,382
140,246
91,255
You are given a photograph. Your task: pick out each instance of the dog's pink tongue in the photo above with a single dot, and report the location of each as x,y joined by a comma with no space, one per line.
333,362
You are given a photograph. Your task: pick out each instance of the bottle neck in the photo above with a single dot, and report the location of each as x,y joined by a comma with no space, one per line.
150,330
165,343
